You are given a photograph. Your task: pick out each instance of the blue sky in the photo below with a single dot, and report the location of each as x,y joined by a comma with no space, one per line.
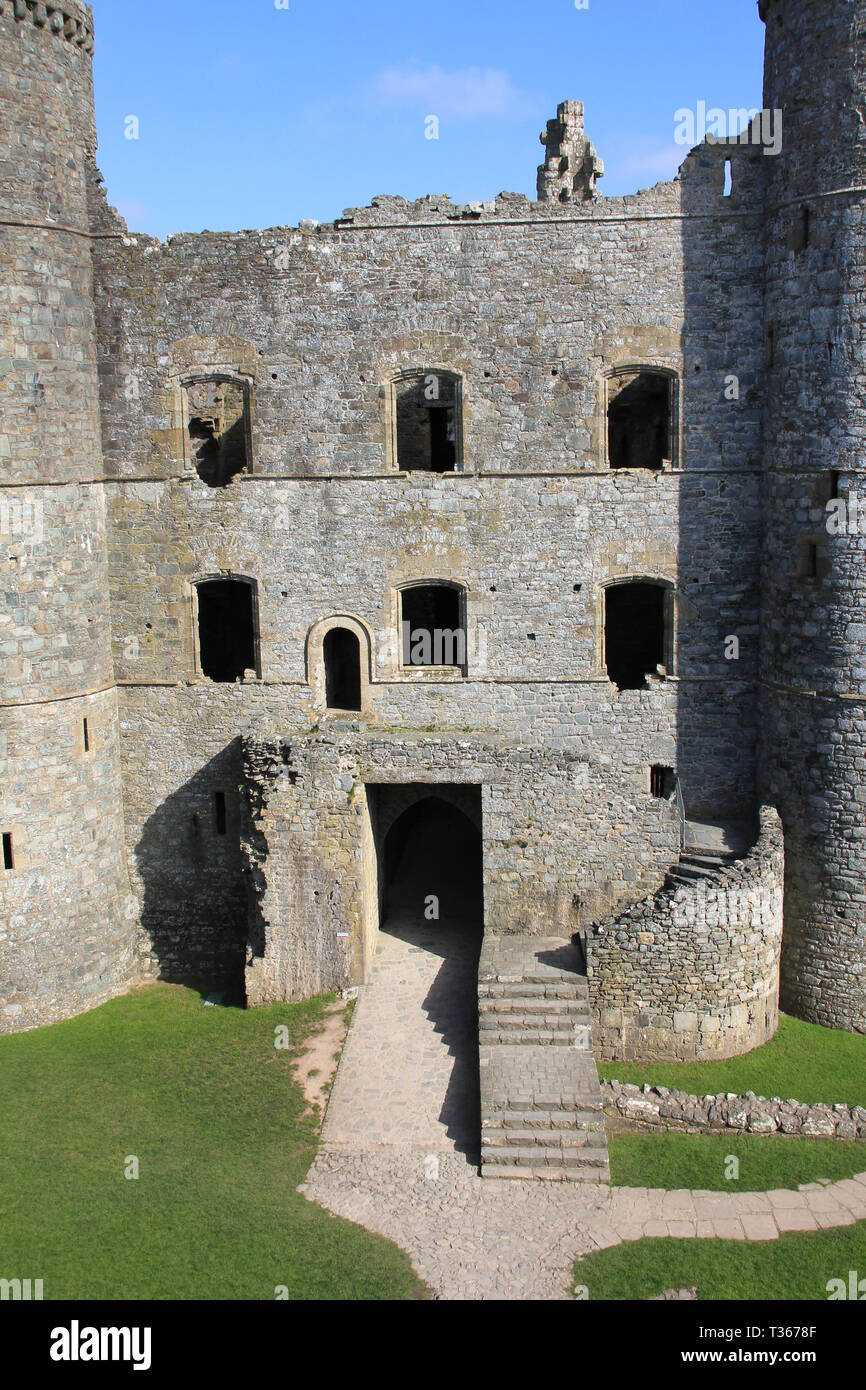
254,116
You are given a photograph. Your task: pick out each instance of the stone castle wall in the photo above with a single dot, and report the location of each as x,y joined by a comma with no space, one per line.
121,868
813,637
66,916
318,322
661,1107
313,842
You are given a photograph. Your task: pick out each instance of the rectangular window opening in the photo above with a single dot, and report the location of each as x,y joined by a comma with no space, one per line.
662,781
809,560
640,425
637,633
433,626
217,426
86,732
802,228
427,423
8,852
220,811
227,630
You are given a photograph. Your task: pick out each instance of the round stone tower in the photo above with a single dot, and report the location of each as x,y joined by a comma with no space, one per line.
66,917
813,641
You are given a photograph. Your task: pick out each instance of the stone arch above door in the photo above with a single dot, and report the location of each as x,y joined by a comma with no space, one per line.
401,798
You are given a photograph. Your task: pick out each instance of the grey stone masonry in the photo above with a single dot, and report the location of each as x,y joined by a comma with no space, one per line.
222,418
660,1107
571,166
541,1112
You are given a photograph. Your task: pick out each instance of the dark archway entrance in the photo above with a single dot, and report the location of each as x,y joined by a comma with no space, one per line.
433,869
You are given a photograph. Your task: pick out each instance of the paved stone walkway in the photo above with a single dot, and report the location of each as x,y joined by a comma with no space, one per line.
399,1152
487,1238
409,1071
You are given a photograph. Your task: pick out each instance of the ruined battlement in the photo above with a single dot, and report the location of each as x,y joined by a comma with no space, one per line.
572,167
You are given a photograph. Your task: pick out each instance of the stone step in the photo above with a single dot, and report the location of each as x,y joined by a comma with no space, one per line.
580,1124
577,1037
691,872
521,989
516,1004
562,1023
548,976
544,1138
531,1156
587,1114
541,1106
533,1037
566,1104
731,837
547,1173
516,1025
708,859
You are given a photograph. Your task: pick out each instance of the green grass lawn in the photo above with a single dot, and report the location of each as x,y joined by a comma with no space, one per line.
792,1267
207,1104
803,1062
700,1160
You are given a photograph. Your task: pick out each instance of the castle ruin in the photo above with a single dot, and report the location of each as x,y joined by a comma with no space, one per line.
502,521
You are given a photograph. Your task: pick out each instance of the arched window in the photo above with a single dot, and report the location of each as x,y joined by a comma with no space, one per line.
427,422
641,424
638,631
227,627
341,651
217,423
433,625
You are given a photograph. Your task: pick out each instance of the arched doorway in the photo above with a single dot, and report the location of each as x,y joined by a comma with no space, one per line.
433,866
342,656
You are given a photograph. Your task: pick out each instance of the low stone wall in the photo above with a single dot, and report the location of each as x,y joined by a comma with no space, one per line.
657,1107
693,972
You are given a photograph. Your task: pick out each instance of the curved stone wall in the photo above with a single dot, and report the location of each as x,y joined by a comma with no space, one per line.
813,637
67,919
693,972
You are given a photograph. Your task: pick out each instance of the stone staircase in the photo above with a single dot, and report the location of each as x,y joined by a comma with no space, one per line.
708,849
535,1012
541,1109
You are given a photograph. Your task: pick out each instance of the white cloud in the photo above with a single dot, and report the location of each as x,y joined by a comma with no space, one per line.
450,92
640,159
654,160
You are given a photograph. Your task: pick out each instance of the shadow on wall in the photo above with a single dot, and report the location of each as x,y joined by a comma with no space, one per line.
188,861
718,560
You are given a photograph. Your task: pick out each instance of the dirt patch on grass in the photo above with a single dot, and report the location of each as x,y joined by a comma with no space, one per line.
315,1067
